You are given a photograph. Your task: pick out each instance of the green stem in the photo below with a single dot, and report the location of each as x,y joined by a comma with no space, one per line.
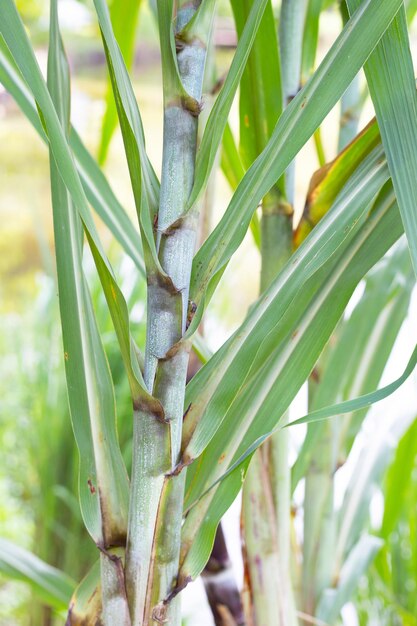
291,30
268,537
263,594
266,510
351,102
115,607
319,522
156,497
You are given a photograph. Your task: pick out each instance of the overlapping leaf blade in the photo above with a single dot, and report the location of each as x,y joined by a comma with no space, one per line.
124,17
145,185
11,28
103,482
298,122
237,355
354,363
262,397
97,189
390,76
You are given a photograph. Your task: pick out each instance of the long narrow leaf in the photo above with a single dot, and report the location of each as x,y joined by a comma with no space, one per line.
15,36
104,489
254,337
355,361
296,125
390,76
254,411
53,586
97,189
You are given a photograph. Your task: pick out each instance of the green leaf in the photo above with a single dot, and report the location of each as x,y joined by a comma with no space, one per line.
219,114
298,122
356,358
260,94
124,17
390,76
102,199
85,606
254,338
96,187
362,402
144,182
50,584
234,171
264,397
231,162
103,482
15,36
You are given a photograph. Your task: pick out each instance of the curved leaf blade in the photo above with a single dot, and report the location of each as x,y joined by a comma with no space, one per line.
390,75
298,122
53,586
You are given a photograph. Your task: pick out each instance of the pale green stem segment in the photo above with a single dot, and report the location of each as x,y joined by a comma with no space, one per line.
291,30
268,479
319,520
115,610
267,488
263,593
350,103
350,111
156,496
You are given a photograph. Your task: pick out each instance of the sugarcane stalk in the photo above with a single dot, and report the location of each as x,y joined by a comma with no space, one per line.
269,474
268,594
319,520
266,513
351,102
263,589
157,491
291,29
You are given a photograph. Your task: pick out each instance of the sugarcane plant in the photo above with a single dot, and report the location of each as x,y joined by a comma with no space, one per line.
192,443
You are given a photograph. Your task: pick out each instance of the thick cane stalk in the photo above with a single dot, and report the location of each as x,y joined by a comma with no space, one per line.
266,511
266,494
157,493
